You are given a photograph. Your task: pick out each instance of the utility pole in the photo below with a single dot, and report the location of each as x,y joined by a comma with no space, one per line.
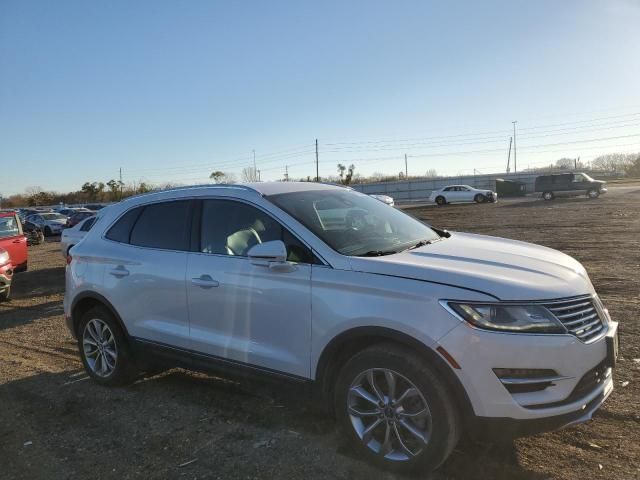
121,184
258,175
515,157
317,168
406,169
509,154
286,173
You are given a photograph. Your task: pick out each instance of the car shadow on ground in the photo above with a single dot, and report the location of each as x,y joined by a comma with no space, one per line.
38,283
12,315
233,428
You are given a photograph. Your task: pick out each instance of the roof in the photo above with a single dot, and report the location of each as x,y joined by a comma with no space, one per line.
275,188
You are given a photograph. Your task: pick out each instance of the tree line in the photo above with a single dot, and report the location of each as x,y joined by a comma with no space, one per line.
627,164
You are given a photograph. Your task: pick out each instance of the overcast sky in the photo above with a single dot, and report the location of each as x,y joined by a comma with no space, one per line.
171,90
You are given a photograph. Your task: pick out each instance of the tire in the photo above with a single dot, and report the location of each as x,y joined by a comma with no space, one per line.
47,232
4,296
548,195
479,198
440,200
119,369
440,421
593,193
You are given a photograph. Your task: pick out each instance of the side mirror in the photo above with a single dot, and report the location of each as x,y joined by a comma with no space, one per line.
268,254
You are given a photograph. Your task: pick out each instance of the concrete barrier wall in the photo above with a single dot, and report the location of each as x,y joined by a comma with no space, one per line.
420,189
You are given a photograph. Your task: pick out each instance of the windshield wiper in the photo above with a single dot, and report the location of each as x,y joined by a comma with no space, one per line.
377,253
421,243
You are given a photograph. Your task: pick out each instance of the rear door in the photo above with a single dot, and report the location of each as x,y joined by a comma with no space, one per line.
145,264
13,240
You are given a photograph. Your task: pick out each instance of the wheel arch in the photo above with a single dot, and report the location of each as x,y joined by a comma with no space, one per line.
349,342
88,300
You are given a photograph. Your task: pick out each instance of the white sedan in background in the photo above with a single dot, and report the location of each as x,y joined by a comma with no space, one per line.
50,223
71,236
462,193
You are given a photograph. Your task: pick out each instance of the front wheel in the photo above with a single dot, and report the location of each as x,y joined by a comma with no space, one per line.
440,200
4,296
479,198
396,410
593,193
548,195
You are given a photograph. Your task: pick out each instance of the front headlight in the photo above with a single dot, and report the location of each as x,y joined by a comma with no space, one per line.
4,257
508,318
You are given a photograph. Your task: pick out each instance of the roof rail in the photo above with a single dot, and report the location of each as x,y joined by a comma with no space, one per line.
194,187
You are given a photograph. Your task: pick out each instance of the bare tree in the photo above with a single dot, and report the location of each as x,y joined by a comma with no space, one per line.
249,174
222,177
565,163
614,162
341,169
431,173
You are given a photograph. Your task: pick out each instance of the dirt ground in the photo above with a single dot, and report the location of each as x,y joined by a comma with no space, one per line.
57,424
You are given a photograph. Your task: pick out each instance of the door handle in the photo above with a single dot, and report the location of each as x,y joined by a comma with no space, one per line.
204,281
119,272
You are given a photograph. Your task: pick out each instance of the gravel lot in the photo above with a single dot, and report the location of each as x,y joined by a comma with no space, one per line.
55,424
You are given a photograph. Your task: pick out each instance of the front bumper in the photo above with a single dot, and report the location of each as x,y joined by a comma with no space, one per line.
6,276
495,427
568,398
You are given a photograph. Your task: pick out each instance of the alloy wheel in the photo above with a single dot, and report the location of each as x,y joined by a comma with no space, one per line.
99,346
389,414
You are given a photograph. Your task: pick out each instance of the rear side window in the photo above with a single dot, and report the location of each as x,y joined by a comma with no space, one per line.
121,231
163,225
86,226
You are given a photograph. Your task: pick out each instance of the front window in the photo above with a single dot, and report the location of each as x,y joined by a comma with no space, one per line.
352,223
9,227
578,177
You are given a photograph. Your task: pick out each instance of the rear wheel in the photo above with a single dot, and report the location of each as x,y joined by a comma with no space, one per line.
104,349
548,195
395,409
440,200
479,198
593,193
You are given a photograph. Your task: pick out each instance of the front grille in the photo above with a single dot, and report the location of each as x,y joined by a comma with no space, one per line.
580,316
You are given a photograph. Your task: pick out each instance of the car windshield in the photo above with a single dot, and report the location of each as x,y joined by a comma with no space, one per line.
8,227
53,216
353,223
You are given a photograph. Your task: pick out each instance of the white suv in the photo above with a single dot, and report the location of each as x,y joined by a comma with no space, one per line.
410,334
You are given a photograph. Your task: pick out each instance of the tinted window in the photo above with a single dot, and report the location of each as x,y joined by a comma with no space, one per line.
448,189
232,228
121,231
163,225
86,226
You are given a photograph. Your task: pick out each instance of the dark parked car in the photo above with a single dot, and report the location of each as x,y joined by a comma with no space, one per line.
77,217
569,185
34,234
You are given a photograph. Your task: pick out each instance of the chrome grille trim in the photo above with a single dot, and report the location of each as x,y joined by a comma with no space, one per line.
580,317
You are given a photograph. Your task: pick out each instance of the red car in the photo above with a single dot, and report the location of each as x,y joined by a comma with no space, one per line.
13,240
6,273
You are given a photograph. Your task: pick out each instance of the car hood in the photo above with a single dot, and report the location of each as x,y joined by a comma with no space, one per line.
505,269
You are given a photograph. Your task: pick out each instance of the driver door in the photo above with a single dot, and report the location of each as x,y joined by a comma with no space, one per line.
247,313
